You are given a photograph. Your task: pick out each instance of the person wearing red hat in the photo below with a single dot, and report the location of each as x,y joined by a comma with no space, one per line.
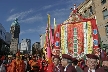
104,67
92,62
74,63
17,65
57,67
67,63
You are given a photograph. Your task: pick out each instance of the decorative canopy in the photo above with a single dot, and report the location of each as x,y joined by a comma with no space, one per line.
74,16
15,23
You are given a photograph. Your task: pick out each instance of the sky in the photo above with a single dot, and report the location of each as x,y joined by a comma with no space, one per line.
32,15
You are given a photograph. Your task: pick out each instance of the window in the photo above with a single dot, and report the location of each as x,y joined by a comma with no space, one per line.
105,14
86,14
106,29
103,2
91,10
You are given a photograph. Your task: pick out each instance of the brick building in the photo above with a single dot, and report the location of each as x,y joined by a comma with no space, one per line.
97,9
101,8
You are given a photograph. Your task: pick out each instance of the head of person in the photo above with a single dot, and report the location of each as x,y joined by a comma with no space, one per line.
17,56
34,58
66,60
56,60
105,63
92,61
74,61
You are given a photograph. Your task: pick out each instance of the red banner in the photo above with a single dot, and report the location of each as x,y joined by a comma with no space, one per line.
57,38
95,36
80,38
70,38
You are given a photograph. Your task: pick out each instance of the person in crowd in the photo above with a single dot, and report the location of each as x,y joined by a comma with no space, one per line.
17,64
39,60
67,63
92,62
8,65
34,65
2,66
25,61
57,66
43,66
82,64
74,63
104,67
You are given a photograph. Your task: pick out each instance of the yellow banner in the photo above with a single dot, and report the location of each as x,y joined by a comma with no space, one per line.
62,39
89,38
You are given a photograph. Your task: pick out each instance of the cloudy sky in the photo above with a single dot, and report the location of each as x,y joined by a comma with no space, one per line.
32,15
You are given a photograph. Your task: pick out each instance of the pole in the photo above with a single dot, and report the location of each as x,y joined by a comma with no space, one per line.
48,30
48,47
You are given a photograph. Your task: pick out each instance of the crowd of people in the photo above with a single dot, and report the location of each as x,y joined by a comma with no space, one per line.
66,63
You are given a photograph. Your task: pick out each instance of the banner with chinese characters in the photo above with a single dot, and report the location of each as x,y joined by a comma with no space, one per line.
70,38
95,37
62,39
85,37
89,38
57,39
77,38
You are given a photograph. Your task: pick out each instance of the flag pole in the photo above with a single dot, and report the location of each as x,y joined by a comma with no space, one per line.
48,29
48,47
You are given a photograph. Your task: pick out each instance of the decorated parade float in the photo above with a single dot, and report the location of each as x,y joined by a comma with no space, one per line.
76,36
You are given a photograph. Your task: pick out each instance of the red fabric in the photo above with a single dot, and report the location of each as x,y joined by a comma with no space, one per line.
2,58
57,37
66,56
40,63
105,59
50,67
80,38
57,56
70,38
95,34
92,56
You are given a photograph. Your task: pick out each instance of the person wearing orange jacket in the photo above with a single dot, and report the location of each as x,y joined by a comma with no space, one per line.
17,64
34,65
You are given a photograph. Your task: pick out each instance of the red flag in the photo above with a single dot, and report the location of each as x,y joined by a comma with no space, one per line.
57,37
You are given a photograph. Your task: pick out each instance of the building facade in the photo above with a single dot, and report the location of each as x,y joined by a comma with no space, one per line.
87,9
14,30
36,47
97,9
4,45
101,8
42,40
25,46
2,33
8,38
